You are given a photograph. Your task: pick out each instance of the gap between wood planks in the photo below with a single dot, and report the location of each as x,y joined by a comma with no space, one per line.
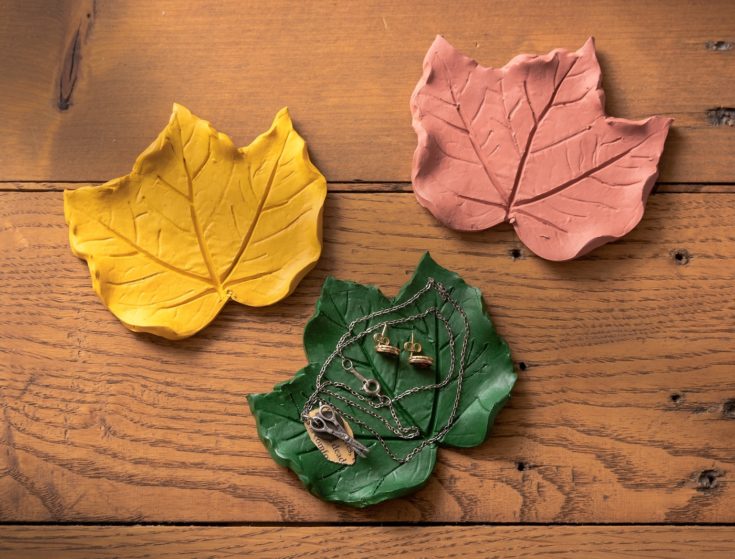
353,524
362,187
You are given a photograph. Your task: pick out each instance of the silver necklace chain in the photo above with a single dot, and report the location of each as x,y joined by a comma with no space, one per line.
381,400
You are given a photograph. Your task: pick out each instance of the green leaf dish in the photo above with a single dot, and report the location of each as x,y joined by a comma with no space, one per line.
488,379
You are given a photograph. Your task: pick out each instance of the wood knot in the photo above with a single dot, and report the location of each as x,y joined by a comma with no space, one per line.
707,480
68,76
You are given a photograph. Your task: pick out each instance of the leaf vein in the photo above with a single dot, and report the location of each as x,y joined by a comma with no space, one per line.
258,212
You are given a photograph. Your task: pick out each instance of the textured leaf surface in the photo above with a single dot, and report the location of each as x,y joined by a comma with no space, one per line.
488,380
198,222
530,143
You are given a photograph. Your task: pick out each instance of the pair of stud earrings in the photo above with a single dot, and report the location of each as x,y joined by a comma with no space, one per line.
415,357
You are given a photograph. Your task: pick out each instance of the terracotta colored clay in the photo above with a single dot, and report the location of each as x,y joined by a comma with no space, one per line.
529,143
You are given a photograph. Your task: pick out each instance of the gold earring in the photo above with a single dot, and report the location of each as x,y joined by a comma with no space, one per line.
383,345
417,358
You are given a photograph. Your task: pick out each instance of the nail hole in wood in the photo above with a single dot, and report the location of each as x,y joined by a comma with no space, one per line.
708,480
721,116
515,253
718,45
728,408
522,366
681,256
521,466
675,398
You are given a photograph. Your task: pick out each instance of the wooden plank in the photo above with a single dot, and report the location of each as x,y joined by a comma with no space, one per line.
82,96
337,542
625,411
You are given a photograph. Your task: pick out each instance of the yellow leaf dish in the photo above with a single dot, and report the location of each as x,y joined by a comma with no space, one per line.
199,221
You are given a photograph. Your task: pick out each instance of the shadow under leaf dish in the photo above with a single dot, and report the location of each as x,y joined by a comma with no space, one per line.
487,378
198,222
530,144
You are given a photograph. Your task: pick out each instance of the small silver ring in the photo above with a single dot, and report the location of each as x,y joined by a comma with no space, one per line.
347,364
371,387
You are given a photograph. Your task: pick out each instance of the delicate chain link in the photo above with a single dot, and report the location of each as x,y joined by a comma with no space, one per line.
349,338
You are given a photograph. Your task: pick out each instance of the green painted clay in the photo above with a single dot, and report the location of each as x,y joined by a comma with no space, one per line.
488,380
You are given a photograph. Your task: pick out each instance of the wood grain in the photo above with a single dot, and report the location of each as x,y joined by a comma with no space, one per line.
508,542
624,410
87,85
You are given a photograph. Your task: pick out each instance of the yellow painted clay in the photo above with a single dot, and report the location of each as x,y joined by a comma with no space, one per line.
198,222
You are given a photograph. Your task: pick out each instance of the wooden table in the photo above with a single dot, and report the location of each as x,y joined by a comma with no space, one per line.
620,436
